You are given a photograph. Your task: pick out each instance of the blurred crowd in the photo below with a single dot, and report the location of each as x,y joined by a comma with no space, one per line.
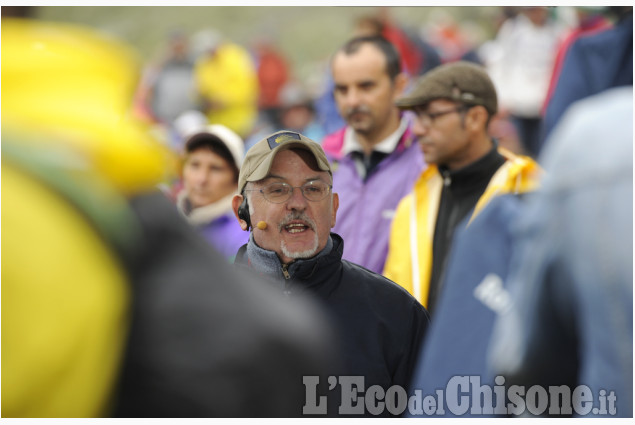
255,88
121,182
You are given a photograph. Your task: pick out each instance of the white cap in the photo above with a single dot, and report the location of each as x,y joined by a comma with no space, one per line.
232,140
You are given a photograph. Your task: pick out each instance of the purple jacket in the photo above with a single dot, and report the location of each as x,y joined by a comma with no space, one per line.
225,234
216,223
367,207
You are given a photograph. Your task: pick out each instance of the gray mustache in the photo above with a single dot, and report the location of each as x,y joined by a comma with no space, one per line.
296,216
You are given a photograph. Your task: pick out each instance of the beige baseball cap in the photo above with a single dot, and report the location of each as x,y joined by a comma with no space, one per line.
257,162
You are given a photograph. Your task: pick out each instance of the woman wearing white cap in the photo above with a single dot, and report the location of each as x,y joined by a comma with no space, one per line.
213,157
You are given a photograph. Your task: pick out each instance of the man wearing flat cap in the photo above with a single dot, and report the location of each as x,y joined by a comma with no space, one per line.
454,104
286,198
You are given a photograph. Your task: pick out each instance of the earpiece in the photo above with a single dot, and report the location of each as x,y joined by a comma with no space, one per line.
243,212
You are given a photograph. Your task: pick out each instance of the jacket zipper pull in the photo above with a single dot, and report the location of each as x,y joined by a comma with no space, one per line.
446,178
287,276
285,272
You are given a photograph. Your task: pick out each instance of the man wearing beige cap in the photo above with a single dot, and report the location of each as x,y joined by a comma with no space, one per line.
287,200
453,104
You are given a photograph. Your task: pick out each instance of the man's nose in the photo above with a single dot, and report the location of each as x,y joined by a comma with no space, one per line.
418,128
297,201
352,98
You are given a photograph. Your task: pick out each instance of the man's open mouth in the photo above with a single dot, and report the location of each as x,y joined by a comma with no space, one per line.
296,227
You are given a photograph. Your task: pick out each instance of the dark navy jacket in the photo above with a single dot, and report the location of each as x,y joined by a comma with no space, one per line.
380,325
593,64
473,290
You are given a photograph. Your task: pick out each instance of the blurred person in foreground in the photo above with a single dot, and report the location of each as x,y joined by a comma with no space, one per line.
375,157
211,162
466,169
287,200
465,313
570,319
111,304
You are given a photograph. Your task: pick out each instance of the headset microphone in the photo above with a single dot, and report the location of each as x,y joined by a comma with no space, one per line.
243,212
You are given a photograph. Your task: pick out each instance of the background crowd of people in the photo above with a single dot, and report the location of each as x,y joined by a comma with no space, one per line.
489,177
524,55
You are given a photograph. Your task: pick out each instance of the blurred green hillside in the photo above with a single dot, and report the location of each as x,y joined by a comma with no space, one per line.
306,35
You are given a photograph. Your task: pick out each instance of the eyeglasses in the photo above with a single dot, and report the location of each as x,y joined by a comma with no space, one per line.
280,192
427,118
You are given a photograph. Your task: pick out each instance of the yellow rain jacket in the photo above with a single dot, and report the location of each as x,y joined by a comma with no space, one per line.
409,261
228,83
71,156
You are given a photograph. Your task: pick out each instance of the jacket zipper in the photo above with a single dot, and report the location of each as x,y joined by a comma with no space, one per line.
287,276
447,180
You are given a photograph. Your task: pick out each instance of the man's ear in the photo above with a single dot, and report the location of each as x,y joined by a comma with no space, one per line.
401,82
236,201
476,118
336,205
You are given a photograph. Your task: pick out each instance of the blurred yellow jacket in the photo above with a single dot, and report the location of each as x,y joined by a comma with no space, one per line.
65,301
409,261
71,156
227,85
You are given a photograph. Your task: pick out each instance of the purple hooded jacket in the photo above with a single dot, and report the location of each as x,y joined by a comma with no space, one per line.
367,206
217,224
225,234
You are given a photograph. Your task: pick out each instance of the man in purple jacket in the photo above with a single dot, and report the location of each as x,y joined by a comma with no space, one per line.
374,158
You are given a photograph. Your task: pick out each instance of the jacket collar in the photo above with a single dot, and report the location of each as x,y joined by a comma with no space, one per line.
306,272
205,214
474,174
387,146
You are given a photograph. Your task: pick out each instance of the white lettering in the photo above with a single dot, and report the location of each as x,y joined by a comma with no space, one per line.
351,387
582,400
311,406
429,405
396,400
414,403
537,400
452,396
373,395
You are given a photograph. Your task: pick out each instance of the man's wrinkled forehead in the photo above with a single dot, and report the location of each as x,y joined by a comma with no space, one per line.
278,165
